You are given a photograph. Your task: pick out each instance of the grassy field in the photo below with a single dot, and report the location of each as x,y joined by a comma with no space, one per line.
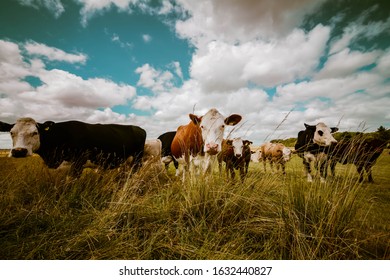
153,215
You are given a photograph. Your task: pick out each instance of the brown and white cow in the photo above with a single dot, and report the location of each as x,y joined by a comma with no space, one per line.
200,140
236,154
275,153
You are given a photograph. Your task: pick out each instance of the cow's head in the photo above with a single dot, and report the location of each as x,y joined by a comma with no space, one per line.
247,143
238,147
322,134
212,126
25,138
286,154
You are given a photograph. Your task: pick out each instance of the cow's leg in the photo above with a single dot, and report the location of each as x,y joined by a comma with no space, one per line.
277,163
242,171
137,163
264,164
333,167
323,171
175,163
232,172
306,165
368,168
229,170
271,163
76,168
360,171
283,165
220,167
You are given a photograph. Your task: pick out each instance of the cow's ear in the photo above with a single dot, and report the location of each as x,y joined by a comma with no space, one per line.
247,142
334,129
233,119
195,119
308,126
5,127
46,126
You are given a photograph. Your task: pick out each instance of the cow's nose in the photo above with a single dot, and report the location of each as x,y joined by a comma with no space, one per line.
238,155
212,148
19,152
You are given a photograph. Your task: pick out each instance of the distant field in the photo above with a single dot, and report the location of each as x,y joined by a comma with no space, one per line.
154,215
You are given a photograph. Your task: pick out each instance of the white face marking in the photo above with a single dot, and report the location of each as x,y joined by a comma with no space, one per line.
286,154
238,146
25,138
323,135
213,127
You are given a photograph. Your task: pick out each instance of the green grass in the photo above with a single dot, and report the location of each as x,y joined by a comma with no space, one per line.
154,215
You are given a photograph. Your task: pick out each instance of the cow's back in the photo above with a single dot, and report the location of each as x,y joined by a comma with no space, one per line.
363,150
110,144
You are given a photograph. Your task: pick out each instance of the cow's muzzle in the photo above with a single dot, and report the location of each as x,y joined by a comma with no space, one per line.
19,152
212,149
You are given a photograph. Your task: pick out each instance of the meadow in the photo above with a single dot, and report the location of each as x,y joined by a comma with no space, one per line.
154,215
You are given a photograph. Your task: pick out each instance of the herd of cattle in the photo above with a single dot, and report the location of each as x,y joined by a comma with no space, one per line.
199,144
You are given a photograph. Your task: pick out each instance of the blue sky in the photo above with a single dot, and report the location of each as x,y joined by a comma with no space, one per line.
150,63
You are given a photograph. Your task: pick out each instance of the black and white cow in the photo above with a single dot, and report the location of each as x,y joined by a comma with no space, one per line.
107,145
166,154
313,146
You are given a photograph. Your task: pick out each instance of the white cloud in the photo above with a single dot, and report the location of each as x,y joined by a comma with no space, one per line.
346,62
245,20
12,69
177,69
54,6
62,88
92,7
153,79
147,38
51,53
229,67
61,96
166,8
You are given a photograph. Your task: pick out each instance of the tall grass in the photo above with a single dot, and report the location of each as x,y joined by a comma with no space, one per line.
154,215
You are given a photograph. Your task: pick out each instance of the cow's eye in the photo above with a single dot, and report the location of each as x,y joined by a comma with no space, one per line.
34,133
320,132
223,126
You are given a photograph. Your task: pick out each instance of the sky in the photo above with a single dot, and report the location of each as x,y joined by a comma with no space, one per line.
150,63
